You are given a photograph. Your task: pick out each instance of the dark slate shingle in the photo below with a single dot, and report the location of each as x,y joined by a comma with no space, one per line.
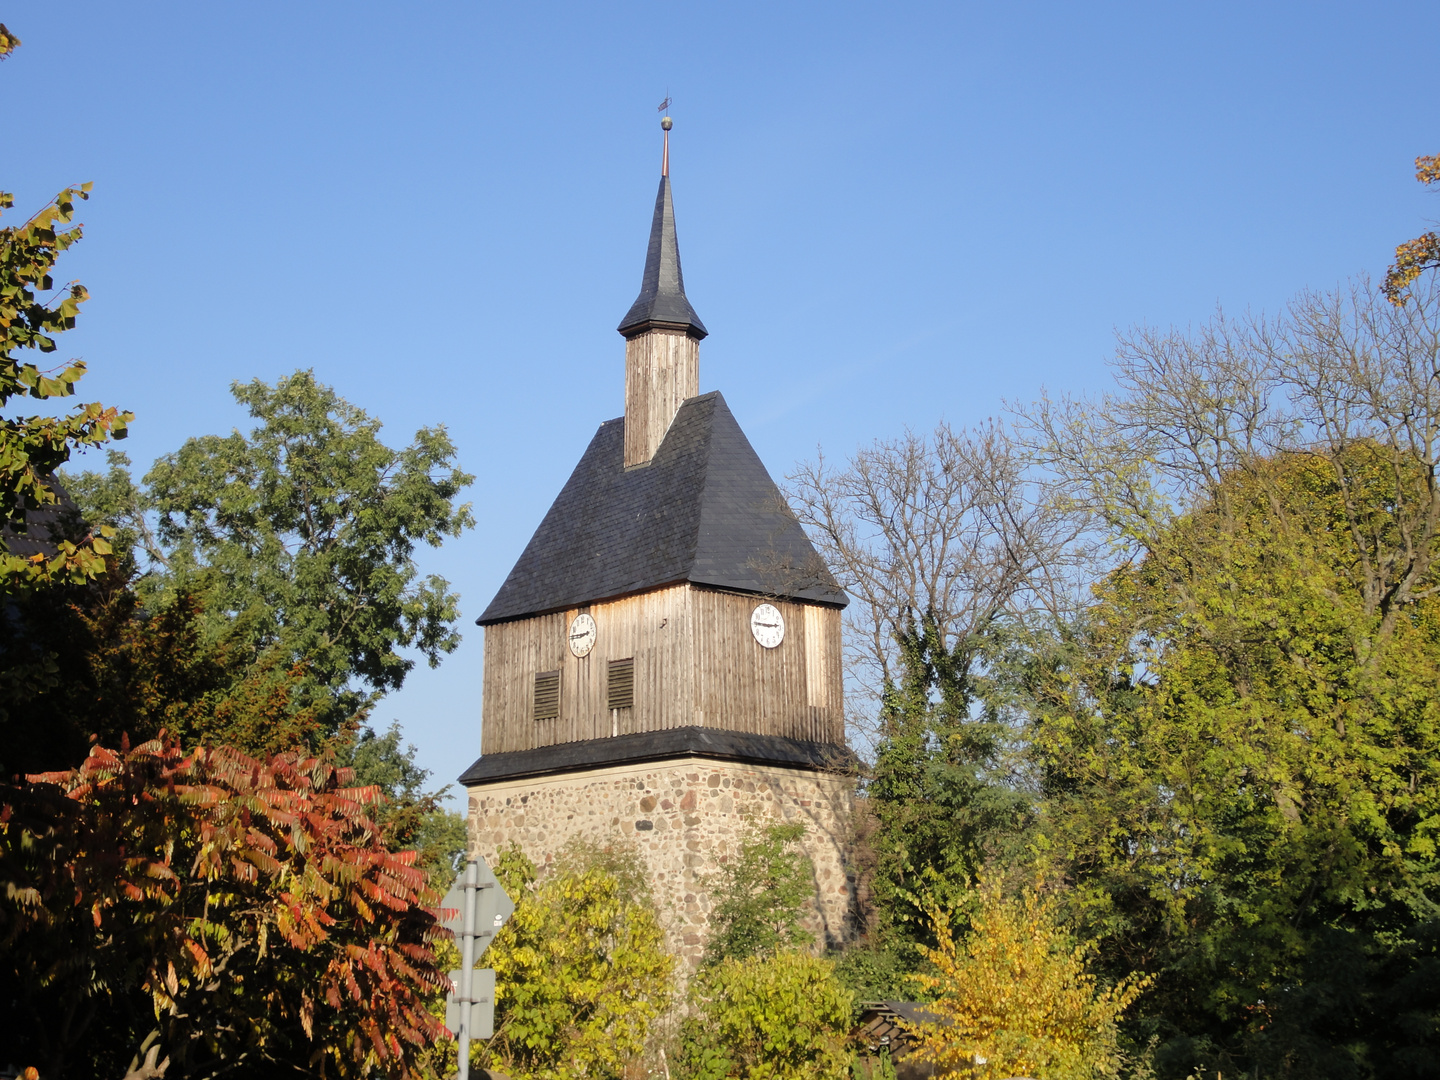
703,510
662,300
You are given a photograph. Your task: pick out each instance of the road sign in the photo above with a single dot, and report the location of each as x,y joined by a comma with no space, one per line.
493,910
474,910
482,1009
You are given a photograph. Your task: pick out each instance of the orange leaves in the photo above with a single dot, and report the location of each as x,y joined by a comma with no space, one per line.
262,879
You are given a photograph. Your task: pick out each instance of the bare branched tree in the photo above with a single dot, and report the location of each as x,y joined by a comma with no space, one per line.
949,524
1334,374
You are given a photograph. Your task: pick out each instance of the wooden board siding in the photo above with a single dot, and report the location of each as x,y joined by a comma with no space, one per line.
696,663
662,369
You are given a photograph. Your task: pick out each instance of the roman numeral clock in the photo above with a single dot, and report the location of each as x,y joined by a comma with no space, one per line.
662,664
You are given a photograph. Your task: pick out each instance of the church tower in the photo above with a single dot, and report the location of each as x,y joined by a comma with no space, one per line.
662,665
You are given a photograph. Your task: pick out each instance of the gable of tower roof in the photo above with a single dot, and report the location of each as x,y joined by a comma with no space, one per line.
703,510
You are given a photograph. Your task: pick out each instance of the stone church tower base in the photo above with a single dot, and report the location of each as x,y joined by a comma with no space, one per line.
683,817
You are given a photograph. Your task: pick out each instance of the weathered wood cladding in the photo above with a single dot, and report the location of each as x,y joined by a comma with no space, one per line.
696,663
662,369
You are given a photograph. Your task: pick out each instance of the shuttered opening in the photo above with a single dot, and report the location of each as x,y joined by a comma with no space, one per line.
620,684
547,695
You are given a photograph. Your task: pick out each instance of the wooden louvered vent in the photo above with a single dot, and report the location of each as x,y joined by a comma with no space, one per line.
547,695
620,684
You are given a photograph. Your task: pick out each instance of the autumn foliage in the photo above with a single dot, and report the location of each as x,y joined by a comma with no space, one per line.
1014,997
249,907
1414,257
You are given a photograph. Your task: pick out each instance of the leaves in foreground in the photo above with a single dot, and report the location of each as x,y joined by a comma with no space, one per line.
581,973
33,447
776,1016
249,908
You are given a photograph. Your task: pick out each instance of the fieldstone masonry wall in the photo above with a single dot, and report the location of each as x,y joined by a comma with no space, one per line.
683,817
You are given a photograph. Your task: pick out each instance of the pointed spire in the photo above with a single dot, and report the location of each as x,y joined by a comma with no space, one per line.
662,303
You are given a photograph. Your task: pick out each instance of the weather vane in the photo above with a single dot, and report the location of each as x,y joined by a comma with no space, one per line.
666,124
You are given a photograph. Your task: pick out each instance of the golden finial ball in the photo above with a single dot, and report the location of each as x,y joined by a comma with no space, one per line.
666,123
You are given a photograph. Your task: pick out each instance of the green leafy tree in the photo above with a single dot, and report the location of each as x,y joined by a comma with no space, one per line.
941,790
203,913
33,447
581,970
301,537
1236,743
90,662
771,1016
759,897
1239,761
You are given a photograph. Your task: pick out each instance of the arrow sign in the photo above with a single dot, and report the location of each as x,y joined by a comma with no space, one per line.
492,910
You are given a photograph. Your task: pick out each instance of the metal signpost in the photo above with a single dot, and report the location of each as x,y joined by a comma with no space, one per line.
473,910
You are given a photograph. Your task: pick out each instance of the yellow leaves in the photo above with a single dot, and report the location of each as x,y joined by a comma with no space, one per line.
8,42
581,973
1014,998
774,1016
1413,257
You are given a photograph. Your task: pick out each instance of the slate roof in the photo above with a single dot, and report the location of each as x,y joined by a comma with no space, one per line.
662,299
657,746
703,510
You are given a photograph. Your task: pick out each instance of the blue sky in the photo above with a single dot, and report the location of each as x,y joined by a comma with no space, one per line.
889,214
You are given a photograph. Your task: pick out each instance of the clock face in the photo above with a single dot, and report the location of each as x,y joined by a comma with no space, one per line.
582,635
768,625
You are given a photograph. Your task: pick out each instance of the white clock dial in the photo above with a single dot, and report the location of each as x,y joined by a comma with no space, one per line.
768,625
582,635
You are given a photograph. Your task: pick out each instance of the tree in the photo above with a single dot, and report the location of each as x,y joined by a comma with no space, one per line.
771,1016
948,526
205,914
33,447
89,662
945,543
581,970
758,898
1015,998
1247,819
1335,370
1237,741
301,538
943,789
1414,257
